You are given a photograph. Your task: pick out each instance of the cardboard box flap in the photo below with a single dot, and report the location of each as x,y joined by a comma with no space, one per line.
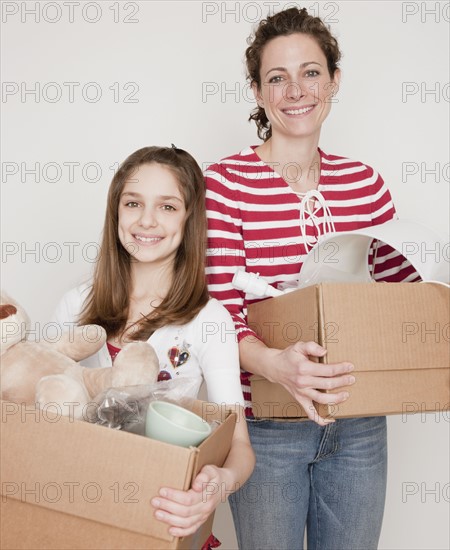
215,451
301,322
70,478
368,324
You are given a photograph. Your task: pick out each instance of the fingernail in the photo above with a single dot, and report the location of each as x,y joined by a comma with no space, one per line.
350,368
159,514
156,503
351,379
163,492
346,395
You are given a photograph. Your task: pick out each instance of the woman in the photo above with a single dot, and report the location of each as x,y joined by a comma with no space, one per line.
267,206
149,284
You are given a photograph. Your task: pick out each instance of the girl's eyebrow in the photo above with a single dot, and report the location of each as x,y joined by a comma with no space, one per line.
301,66
160,197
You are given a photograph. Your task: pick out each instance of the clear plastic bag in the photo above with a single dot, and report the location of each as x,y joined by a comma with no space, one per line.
126,408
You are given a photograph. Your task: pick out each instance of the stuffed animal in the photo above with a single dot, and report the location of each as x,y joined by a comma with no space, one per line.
48,372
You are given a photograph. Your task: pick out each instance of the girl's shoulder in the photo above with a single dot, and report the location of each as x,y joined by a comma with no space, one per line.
213,312
71,303
78,294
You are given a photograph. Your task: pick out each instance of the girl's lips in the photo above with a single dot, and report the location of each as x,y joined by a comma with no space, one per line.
298,111
147,239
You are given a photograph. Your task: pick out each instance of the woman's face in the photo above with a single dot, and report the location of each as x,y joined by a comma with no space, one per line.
296,87
152,215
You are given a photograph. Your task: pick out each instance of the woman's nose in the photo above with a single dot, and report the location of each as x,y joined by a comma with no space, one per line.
293,91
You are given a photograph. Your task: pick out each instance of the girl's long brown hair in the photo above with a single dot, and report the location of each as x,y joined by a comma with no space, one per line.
108,301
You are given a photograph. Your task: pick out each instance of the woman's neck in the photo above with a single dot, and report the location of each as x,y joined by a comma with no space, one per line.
297,161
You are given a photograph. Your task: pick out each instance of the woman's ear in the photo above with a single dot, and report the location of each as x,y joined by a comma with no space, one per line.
336,81
257,94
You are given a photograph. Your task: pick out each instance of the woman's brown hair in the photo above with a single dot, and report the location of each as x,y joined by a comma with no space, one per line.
284,23
108,301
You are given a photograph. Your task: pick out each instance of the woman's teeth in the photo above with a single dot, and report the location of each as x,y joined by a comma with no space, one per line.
298,111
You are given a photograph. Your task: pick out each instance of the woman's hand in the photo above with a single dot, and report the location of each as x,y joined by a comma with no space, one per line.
185,511
301,377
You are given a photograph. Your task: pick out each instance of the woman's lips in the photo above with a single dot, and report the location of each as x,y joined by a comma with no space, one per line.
298,111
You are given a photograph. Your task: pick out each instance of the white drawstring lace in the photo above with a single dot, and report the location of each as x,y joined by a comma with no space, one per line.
307,207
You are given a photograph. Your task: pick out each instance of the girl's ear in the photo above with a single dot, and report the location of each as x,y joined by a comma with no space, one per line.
257,94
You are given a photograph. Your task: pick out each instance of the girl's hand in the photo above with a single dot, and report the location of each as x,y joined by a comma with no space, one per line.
185,511
302,378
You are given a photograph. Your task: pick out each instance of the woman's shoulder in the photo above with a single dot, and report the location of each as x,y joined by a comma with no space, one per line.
335,163
245,157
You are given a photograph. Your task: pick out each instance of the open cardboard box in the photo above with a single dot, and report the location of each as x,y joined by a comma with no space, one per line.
397,335
71,484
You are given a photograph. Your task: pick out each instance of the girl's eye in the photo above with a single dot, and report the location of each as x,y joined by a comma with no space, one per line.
132,204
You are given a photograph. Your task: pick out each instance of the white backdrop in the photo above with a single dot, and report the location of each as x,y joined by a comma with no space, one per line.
87,83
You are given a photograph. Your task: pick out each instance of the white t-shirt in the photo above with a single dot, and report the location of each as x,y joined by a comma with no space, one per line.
205,348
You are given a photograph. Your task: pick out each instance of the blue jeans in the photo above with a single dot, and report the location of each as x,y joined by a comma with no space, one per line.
331,480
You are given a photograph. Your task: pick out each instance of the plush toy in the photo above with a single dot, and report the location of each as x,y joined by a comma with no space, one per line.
48,372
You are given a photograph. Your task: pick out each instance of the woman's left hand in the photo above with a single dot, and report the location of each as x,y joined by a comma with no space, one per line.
185,511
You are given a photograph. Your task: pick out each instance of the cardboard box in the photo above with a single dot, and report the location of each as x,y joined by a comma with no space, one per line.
396,334
71,484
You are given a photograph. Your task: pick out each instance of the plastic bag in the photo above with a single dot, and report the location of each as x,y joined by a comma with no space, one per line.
126,408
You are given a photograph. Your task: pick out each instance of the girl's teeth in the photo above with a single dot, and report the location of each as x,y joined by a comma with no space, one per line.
298,111
147,239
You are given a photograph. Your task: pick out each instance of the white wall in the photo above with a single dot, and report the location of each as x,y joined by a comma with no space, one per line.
180,62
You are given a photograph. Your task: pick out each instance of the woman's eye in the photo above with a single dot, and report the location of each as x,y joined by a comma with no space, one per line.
312,73
275,79
168,207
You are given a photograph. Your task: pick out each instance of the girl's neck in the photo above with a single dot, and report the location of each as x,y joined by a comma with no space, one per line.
150,282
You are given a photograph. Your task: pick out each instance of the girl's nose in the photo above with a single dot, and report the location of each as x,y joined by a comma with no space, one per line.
148,218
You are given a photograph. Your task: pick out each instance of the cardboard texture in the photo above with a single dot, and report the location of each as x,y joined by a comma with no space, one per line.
396,334
71,484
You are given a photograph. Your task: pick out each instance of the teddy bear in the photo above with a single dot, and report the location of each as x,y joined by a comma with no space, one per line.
48,372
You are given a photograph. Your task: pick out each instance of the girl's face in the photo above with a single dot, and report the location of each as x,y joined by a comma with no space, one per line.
296,87
152,215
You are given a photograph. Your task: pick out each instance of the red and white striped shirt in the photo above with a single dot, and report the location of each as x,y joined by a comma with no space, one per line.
254,224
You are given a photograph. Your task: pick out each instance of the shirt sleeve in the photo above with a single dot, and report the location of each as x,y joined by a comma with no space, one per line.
225,250
218,354
68,310
387,264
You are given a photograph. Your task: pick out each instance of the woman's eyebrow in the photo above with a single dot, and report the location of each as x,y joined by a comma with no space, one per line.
301,66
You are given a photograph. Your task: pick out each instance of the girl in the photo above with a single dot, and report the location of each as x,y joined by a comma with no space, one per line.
149,284
267,206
